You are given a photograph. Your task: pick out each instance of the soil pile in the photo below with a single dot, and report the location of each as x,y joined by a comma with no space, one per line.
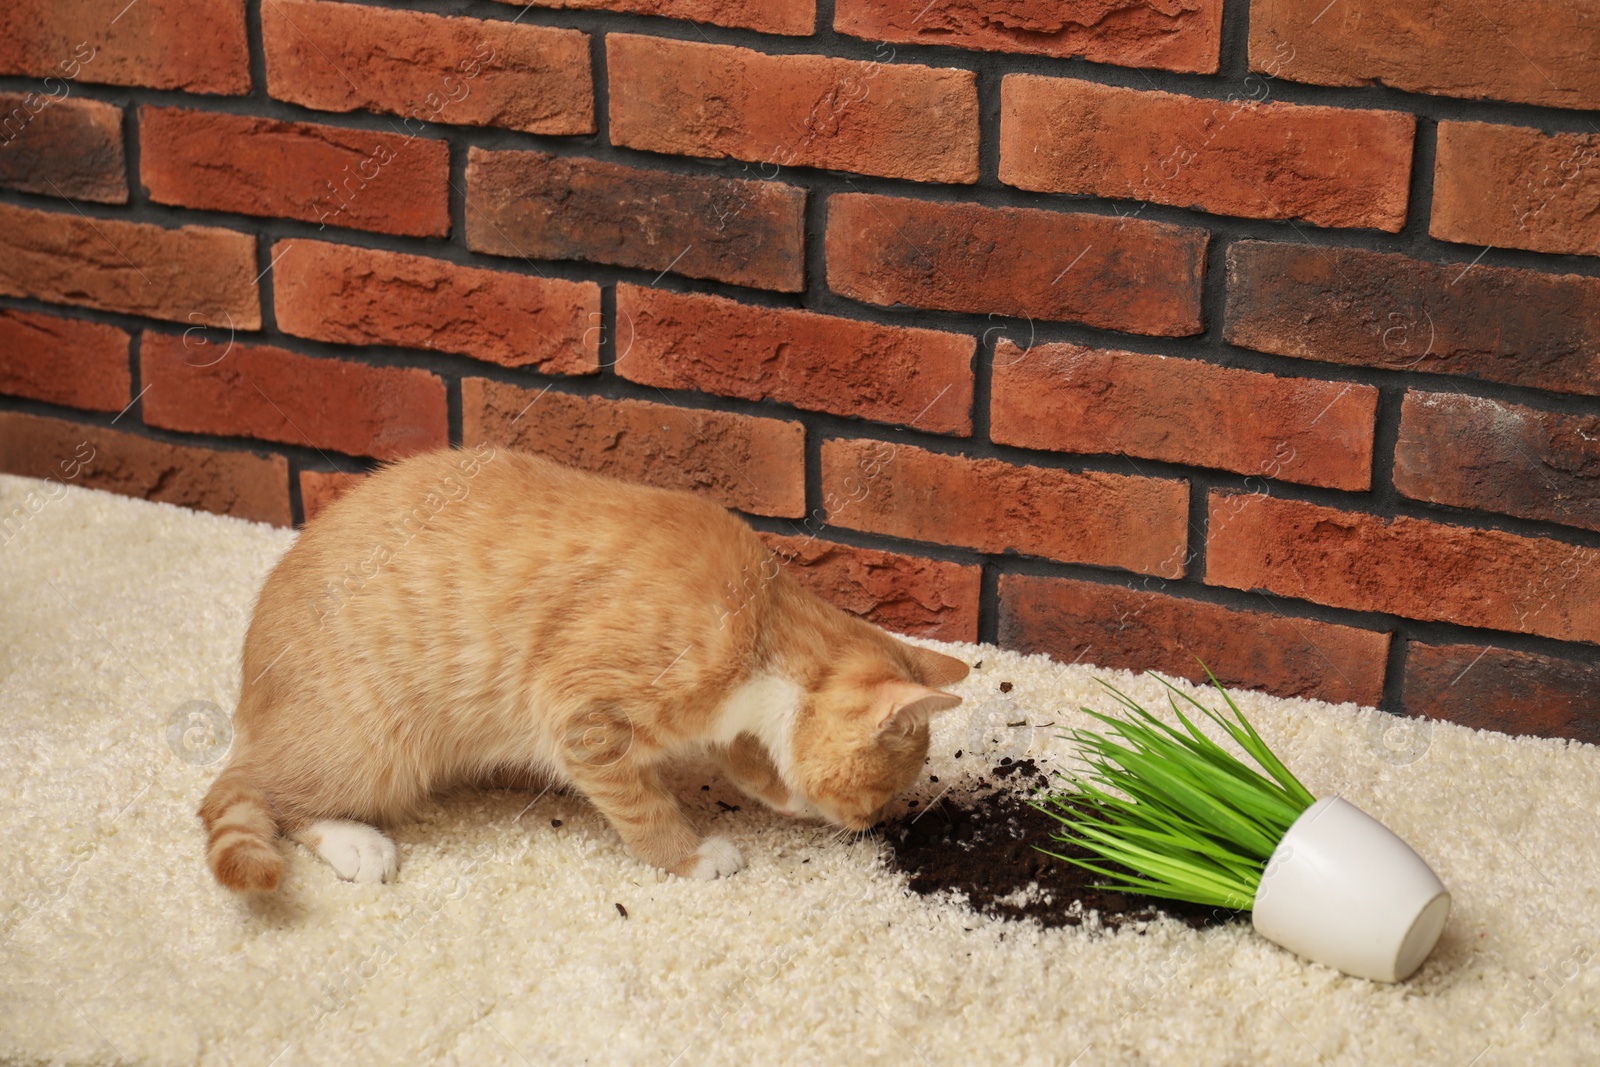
980,843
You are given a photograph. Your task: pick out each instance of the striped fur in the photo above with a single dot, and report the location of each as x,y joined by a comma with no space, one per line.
240,846
463,614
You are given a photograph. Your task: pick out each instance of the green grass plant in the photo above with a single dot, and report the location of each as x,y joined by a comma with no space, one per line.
1178,815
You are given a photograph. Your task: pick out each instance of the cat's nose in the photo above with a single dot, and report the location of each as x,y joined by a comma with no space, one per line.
868,821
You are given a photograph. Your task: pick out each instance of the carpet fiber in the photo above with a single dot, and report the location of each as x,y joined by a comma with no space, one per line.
504,940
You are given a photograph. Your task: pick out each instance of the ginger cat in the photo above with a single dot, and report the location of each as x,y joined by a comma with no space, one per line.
463,613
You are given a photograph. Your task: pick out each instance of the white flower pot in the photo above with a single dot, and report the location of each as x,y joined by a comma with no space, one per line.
1343,890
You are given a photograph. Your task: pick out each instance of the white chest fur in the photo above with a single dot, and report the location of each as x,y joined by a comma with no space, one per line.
764,706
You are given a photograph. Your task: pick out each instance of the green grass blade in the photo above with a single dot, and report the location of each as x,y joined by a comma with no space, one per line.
1217,895
1262,752
1145,818
1170,869
1149,887
1192,797
1221,758
1244,734
1175,813
1171,834
1172,744
1192,850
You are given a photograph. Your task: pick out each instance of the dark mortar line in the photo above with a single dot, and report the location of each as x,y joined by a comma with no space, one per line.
135,410
1394,674
610,329
1198,528
453,415
988,604
1233,62
988,87
983,382
814,220
297,504
255,45
267,277
1214,305
456,192
601,83
824,23
1419,194
1385,439
132,154
816,513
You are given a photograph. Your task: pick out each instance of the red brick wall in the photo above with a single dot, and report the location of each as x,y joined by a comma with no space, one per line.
1265,332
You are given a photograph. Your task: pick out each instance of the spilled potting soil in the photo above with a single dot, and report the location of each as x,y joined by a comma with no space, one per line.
979,843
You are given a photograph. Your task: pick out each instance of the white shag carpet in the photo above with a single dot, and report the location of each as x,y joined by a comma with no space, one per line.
502,941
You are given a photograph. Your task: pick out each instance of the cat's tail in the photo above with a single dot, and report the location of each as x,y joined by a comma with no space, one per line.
241,849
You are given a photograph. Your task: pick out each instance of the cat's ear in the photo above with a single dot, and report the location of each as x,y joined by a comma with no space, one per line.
935,668
903,705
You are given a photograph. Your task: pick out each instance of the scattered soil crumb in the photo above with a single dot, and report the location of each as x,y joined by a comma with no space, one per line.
980,845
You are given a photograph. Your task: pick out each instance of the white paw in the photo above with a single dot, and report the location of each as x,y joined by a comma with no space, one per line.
356,852
717,857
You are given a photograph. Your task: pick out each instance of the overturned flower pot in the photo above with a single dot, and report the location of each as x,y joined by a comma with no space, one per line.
1169,813
1342,889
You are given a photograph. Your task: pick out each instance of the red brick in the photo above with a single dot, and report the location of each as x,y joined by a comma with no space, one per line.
387,182
193,274
1404,566
791,17
1183,36
1498,689
1118,274
754,465
694,99
1371,309
195,45
364,296
53,145
64,361
1501,49
318,489
1330,166
1473,452
1115,627
919,378
1069,398
539,206
905,594
1111,520
257,391
428,68
1515,187
241,484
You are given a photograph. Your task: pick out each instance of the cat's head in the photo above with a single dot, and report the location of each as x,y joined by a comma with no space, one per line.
862,736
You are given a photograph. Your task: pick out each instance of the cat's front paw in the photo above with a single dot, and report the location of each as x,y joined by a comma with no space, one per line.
717,857
356,852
